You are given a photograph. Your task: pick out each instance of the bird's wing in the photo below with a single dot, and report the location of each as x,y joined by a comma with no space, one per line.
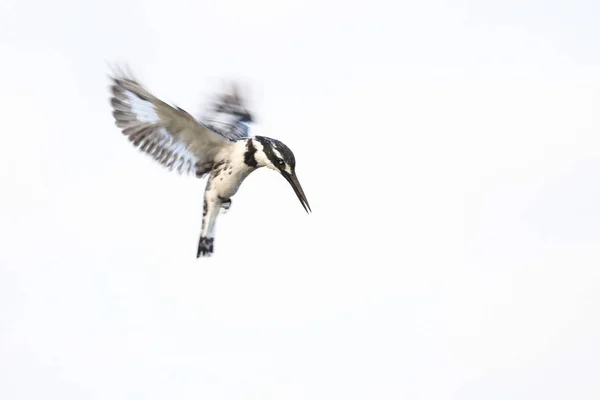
228,115
169,134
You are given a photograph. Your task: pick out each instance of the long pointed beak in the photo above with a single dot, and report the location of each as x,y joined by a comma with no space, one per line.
291,178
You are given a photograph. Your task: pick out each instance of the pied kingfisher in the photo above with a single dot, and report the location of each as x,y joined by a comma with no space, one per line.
218,145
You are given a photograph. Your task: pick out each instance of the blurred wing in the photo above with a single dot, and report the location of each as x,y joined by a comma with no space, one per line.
228,115
170,135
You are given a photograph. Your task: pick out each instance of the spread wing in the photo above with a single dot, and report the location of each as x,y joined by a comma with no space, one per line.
228,115
169,134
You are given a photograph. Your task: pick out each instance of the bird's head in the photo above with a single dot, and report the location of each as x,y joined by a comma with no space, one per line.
275,155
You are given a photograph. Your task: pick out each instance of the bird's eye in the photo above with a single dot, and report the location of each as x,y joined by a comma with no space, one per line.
280,162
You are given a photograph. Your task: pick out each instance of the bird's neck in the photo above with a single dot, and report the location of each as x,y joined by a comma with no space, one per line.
253,153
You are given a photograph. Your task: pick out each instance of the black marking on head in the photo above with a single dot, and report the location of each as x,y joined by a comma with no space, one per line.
287,155
250,154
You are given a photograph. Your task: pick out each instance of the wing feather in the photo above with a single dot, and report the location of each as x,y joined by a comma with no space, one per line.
228,114
168,134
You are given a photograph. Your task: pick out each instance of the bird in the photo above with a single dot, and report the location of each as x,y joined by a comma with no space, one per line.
217,145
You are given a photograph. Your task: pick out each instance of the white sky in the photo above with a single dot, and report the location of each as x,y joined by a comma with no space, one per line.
450,151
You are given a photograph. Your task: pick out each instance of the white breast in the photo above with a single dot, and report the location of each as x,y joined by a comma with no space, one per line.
227,177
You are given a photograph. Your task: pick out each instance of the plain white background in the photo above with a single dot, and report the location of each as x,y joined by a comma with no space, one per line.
450,151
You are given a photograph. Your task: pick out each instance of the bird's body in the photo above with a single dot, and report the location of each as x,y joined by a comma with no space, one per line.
225,178
221,149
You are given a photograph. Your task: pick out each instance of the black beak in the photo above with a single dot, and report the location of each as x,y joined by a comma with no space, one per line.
291,178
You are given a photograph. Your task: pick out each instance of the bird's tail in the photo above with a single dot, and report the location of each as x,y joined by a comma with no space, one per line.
205,247
207,234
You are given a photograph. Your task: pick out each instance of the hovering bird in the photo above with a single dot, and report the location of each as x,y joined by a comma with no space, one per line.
217,145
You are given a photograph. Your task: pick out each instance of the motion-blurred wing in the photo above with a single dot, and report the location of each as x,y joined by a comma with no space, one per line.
170,135
228,115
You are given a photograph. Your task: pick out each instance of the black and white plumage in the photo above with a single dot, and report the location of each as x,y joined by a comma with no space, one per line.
217,145
228,116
